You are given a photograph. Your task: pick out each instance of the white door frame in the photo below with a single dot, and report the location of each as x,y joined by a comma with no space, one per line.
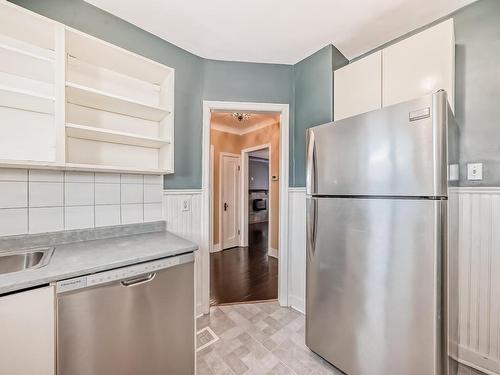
206,236
244,194
221,155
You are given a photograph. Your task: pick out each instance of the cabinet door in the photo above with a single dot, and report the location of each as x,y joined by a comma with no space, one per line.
420,65
27,333
358,87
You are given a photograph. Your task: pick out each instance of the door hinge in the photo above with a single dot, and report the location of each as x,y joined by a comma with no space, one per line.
238,232
239,167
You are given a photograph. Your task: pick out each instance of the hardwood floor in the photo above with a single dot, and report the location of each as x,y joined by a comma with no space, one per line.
243,274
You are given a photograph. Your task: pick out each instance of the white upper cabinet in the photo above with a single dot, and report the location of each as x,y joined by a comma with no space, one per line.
72,101
27,327
358,87
414,67
420,64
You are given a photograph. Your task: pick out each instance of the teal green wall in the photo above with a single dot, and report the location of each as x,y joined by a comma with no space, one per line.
234,81
477,91
313,94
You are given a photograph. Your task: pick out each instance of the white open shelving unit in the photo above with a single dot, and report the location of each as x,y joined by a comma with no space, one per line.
28,80
71,101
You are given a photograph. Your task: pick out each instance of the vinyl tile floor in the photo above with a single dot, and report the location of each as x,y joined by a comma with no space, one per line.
258,338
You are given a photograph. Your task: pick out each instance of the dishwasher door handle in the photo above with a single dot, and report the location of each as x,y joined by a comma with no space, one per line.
138,280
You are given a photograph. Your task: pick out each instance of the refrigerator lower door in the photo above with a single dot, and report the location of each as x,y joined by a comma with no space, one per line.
374,269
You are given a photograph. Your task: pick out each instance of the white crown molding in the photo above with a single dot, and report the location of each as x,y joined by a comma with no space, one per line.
243,130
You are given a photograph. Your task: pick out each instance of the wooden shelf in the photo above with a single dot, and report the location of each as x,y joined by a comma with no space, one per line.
25,100
34,164
89,97
100,53
26,49
113,169
112,136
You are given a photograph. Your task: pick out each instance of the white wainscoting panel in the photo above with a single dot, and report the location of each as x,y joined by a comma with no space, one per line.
464,370
479,278
297,248
182,211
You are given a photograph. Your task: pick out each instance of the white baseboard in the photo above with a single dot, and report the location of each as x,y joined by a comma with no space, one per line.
273,252
216,248
297,303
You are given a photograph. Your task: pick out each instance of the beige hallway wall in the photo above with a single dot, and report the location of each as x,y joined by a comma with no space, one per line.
232,143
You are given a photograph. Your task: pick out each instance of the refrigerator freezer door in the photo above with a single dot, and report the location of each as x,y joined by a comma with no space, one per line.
373,297
395,151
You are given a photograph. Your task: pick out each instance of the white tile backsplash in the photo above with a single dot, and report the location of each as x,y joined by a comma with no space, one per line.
153,179
132,213
78,217
152,211
13,221
132,179
107,193
132,193
46,175
38,201
153,193
46,219
78,194
13,194
8,174
46,194
78,177
107,178
106,215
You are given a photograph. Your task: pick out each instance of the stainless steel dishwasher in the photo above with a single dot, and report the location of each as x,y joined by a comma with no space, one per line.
136,320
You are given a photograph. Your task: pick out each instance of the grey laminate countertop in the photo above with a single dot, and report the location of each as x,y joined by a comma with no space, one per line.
119,247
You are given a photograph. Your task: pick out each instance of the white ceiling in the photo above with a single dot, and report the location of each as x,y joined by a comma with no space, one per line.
278,31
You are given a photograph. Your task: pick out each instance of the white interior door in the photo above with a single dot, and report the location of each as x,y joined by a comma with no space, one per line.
230,210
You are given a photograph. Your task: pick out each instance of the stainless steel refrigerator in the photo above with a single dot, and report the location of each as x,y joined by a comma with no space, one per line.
381,295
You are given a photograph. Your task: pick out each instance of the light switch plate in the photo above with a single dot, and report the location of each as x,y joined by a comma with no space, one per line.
474,171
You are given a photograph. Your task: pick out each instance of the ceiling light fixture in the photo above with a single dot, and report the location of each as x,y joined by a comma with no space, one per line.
241,116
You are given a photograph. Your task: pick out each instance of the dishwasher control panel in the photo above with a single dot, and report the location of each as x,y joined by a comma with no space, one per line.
131,271
119,274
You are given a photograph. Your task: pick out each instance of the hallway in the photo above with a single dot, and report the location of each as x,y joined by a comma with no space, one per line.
243,274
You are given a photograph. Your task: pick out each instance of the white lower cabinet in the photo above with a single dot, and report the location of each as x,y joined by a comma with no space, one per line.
27,338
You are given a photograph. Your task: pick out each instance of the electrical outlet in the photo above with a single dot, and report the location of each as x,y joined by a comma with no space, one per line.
474,171
186,205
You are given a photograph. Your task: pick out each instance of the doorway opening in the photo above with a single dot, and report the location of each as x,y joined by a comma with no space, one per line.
245,191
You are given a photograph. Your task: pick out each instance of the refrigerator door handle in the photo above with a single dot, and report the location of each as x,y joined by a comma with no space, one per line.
312,218
311,164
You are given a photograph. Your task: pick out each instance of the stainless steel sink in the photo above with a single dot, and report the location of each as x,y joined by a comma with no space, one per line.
15,261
